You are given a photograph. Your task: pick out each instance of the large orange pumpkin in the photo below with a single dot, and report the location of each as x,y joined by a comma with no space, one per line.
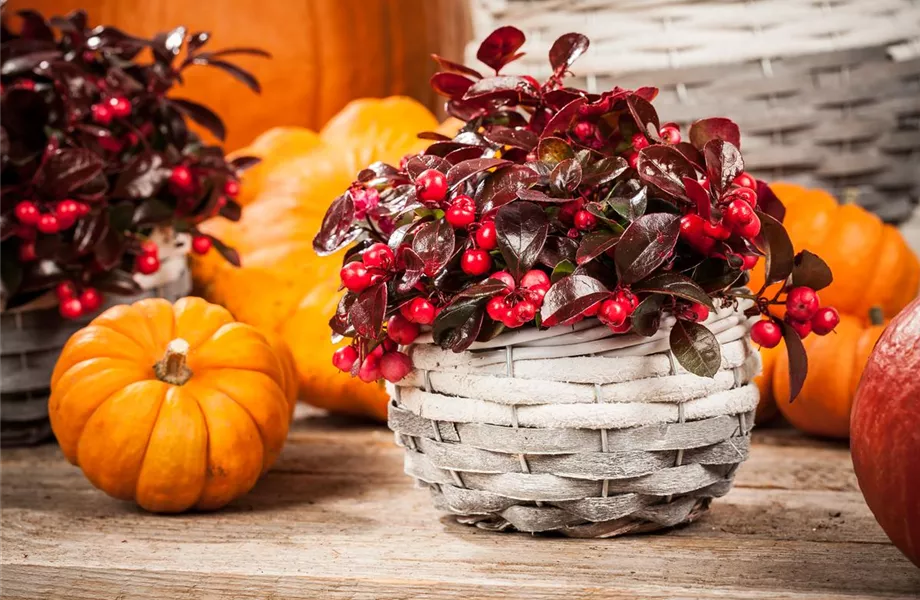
172,406
325,52
283,286
871,262
835,364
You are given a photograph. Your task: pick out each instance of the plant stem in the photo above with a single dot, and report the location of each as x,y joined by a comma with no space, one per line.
172,368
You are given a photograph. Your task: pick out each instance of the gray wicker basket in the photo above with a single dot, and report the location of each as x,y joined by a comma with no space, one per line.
575,431
31,343
826,93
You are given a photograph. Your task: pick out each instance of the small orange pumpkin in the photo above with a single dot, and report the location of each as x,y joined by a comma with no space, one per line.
172,406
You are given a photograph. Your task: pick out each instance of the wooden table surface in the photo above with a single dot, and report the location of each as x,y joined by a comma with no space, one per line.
336,518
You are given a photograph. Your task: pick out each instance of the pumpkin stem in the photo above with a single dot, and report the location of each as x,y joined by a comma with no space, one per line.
876,315
172,368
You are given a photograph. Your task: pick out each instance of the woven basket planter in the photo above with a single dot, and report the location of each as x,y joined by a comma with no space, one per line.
574,430
33,337
826,93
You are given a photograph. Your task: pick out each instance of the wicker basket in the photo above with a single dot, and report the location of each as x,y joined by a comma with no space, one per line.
33,336
826,93
576,431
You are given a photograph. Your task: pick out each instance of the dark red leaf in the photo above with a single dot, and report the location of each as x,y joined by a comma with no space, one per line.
118,282
665,168
234,71
645,115
533,195
411,267
604,170
565,176
562,120
366,314
27,62
570,296
694,156
34,26
553,150
450,85
66,169
504,185
458,325
675,284
229,254
500,47
698,194
566,50
202,115
521,228
509,86
716,128
434,243
558,249
241,163
774,242
433,135
449,65
723,164
466,169
646,318
337,229
463,154
144,177
417,164
769,203
798,359
630,207
645,245
810,270
516,138
594,244
696,348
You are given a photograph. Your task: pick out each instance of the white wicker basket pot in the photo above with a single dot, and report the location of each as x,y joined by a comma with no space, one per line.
574,430
33,337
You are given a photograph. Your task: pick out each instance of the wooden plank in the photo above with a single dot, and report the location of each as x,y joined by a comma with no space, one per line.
337,519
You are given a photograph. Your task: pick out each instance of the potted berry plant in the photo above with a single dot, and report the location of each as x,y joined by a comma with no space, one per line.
103,186
556,298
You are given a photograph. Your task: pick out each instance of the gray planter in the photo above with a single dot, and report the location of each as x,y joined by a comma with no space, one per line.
31,344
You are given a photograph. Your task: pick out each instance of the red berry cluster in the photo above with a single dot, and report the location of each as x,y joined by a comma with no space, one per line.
518,304
804,314
73,305
49,218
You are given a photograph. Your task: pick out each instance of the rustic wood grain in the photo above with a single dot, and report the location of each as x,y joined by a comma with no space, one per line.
336,518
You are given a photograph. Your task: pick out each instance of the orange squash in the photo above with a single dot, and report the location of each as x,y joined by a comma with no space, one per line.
835,365
172,406
766,406
283,287
871,262
324,52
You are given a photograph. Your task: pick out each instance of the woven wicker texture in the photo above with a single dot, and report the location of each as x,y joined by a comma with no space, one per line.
576,431
826,93
32,342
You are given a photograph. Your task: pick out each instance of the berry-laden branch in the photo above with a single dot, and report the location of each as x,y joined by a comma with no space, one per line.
554,205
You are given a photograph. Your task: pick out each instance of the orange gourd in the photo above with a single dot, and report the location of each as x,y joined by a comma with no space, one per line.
766,406
871,262
283,287
172,406
835,365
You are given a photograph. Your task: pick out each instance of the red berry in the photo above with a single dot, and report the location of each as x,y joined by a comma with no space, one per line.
431,185
623,328
670,134
232,188
67,211
25,84
421,311
633,159
496,308
355,277
101,113
802,303
65,290
639,142
746,181
825,320
568,210
485,236
585,220
465,202
525,311
48,224
766,334
509,318
475,261
592,310
738,214
27,212
344,358
201,244
612,312
147,264
749,261
82,209
394,366
378,256
150,247
628,299
459,217
535,278
691,231
370,368
750,230
401,330
803,328
698,313
506,278
716,231
71,309
120,106
585,130
746,194
27,251
181,179
91,299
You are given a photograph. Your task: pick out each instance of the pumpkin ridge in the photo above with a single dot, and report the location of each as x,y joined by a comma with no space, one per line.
153,426
207,444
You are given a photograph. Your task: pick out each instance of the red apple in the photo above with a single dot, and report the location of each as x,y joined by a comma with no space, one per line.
885,432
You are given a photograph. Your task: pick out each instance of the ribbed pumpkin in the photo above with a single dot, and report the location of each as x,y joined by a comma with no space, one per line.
835,365
871,262
324,52
283,286
172,406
